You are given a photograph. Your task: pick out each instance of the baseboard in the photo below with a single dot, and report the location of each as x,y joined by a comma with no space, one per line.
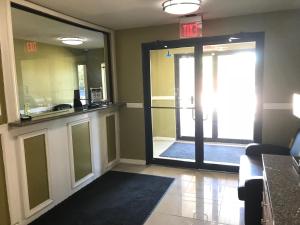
112,164
133,161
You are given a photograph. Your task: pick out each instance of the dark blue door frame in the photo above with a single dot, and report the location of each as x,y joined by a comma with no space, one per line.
198,44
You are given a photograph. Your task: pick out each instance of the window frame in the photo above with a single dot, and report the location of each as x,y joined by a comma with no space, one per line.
9,66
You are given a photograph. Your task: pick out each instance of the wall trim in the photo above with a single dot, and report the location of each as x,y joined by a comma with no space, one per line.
164,139
266,105
163,98
278,106
111,165
137,105
133,161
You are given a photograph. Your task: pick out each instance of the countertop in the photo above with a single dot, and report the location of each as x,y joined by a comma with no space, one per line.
63,114
284,189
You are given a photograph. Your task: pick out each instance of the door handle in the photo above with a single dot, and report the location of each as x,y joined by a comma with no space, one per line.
192,100
193,114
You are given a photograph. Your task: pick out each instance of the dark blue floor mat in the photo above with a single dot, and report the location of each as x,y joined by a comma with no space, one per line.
214,153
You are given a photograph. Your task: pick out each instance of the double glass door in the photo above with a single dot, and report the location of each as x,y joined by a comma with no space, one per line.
201,101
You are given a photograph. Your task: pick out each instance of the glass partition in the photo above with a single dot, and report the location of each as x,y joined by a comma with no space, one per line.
53,59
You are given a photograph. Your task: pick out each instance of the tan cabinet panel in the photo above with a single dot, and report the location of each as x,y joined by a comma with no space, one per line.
36,169
81,150
111,138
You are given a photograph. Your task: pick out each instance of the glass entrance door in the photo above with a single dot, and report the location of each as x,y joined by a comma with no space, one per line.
201,103
228,101
172,85
185,98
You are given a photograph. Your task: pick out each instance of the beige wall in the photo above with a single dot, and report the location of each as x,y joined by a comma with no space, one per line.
281,72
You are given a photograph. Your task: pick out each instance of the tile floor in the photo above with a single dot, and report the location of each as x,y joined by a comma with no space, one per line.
196,197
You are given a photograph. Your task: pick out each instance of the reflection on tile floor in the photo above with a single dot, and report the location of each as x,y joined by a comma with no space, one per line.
196,197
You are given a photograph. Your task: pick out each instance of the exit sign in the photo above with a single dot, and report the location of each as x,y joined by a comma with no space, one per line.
191,27
31,47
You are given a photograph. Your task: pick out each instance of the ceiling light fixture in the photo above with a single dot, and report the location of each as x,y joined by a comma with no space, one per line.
72,41
181,7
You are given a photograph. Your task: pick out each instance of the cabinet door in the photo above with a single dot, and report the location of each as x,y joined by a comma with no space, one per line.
35,171
4,212
80,152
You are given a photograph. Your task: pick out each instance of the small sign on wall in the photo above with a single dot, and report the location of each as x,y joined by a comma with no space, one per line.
191,27
30,47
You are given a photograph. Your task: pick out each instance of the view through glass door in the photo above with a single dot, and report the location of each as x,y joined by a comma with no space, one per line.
228,100
170,103
201,101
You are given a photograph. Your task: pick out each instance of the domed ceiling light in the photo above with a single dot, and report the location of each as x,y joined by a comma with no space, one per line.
71,41
181,7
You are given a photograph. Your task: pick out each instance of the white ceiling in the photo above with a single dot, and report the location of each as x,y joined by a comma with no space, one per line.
29,26
121,14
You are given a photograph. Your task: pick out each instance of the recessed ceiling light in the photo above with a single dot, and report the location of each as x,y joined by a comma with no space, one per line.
72,41
181,7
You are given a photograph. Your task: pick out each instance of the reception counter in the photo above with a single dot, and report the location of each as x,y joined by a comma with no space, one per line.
281,197
53,156
65,113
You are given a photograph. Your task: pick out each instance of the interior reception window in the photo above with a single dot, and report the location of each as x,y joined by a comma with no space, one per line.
53,58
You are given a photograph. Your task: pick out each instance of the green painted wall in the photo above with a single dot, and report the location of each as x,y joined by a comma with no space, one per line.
111,138
281,69
2,96
163,84
94,59
130,84
132,133
81,150
164,120
49,75
4,211
36,168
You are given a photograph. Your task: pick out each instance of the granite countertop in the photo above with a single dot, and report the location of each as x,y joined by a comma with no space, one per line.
63,114
283,183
